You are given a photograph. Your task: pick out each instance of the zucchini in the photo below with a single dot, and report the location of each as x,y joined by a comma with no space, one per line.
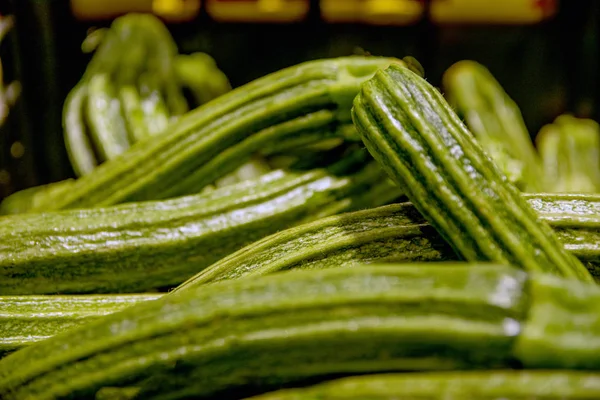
570,150
393,233
143,246
496,121
482,385
259,334
282,329
220,133
29,319
23,200
415,135
79,147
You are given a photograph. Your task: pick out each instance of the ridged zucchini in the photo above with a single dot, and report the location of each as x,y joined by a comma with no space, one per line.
215,138
279,329
29,319
259,334
484,385
143,246
496,121
393,233
423,145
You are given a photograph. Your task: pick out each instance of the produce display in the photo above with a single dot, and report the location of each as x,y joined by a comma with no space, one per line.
339,229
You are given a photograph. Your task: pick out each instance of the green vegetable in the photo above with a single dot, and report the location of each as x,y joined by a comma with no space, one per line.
106,123
29,319
280,329
199,73
421,143
260,334
508,385
570,150
79,148
225,132
26,199
138,247
496,121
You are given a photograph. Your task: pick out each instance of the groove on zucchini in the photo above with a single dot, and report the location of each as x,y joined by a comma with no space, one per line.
139,247
414,134
503,384
152,168
29,319
267,331
394,233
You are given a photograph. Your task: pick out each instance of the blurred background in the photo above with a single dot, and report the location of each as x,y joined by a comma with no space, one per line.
543,52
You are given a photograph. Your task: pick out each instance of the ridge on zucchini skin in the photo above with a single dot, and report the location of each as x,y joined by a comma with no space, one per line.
410,129
170,163
143,246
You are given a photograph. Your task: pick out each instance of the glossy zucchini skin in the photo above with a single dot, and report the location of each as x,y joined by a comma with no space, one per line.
410,129
29,319
181,160
143,246
484,385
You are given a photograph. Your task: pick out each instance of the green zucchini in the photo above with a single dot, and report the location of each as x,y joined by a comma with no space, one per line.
484,385
104,117
29,319
393,233
259,334
220,133
415,135
496,121
23,200
143,246
570,150
282,328
79,148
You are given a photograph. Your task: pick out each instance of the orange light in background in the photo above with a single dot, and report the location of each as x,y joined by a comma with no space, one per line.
257,10
169,10
502,12
388,12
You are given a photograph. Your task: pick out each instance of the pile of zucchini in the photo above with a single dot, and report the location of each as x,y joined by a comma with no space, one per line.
388,251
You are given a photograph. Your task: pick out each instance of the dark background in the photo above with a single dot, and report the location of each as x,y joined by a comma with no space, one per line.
548,68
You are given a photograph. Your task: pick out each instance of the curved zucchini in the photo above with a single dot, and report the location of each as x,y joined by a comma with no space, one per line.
29,319
138,247
496,121
414,134
175,160
266,332
504,384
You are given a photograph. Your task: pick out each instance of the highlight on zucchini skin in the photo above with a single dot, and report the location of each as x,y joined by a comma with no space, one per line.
414,134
